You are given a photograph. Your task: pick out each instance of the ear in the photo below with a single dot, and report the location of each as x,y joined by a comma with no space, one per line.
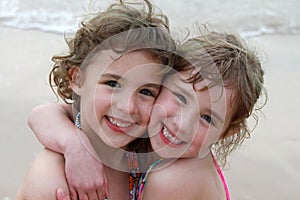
75,82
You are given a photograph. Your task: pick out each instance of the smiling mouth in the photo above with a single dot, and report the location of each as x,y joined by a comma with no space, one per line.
171,139
119,123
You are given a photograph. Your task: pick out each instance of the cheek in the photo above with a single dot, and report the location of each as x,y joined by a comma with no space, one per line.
100,100
205,141
145,109
90,94
199,140
158,112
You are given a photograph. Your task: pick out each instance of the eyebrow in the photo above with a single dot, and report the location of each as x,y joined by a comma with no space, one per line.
184,91
152,85
108,75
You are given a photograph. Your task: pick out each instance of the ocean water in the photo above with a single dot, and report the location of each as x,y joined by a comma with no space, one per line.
247,17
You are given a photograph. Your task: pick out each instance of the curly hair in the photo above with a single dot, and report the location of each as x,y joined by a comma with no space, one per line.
238,67
117,18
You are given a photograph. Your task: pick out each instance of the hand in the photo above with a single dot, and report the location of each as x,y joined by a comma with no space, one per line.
84,172
61,195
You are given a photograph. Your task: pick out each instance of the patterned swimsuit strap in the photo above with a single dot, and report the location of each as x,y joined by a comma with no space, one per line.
143,179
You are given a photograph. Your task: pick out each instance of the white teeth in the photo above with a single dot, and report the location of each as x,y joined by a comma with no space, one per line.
119,124
170,137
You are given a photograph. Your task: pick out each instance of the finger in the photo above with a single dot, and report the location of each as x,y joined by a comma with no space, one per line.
106,189
93,195
73,194
101,195
61,195
83,195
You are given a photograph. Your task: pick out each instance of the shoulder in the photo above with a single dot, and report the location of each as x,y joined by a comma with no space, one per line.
44,176
173,181
183,179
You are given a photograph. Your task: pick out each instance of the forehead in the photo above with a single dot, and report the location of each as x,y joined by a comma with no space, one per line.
135,64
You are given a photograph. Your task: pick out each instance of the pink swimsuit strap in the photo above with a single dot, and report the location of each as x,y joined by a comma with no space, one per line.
222,177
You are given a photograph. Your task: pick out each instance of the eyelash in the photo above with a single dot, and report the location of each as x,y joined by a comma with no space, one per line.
180,97
112,83
147,92
115,84
208,119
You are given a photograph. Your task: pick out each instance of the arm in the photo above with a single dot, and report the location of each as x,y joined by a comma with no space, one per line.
45,174
53,126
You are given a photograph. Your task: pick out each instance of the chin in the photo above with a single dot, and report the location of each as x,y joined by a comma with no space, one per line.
167,153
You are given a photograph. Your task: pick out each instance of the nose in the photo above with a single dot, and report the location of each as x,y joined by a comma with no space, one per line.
167,109
126,103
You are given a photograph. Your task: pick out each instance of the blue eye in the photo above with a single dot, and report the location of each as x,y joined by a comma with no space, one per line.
112,84
180,97
207,118
147,92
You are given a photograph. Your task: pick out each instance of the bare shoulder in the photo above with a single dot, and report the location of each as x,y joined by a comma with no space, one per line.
169,182
183,179
44,176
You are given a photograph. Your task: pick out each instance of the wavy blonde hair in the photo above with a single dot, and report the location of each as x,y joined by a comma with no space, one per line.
117,18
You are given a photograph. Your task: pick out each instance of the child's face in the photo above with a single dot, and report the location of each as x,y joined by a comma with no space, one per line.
184,123
117,105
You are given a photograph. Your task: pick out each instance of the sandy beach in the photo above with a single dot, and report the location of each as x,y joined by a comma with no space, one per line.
25,64
267,166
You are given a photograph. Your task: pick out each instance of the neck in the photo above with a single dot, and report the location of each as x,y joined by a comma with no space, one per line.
110,156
